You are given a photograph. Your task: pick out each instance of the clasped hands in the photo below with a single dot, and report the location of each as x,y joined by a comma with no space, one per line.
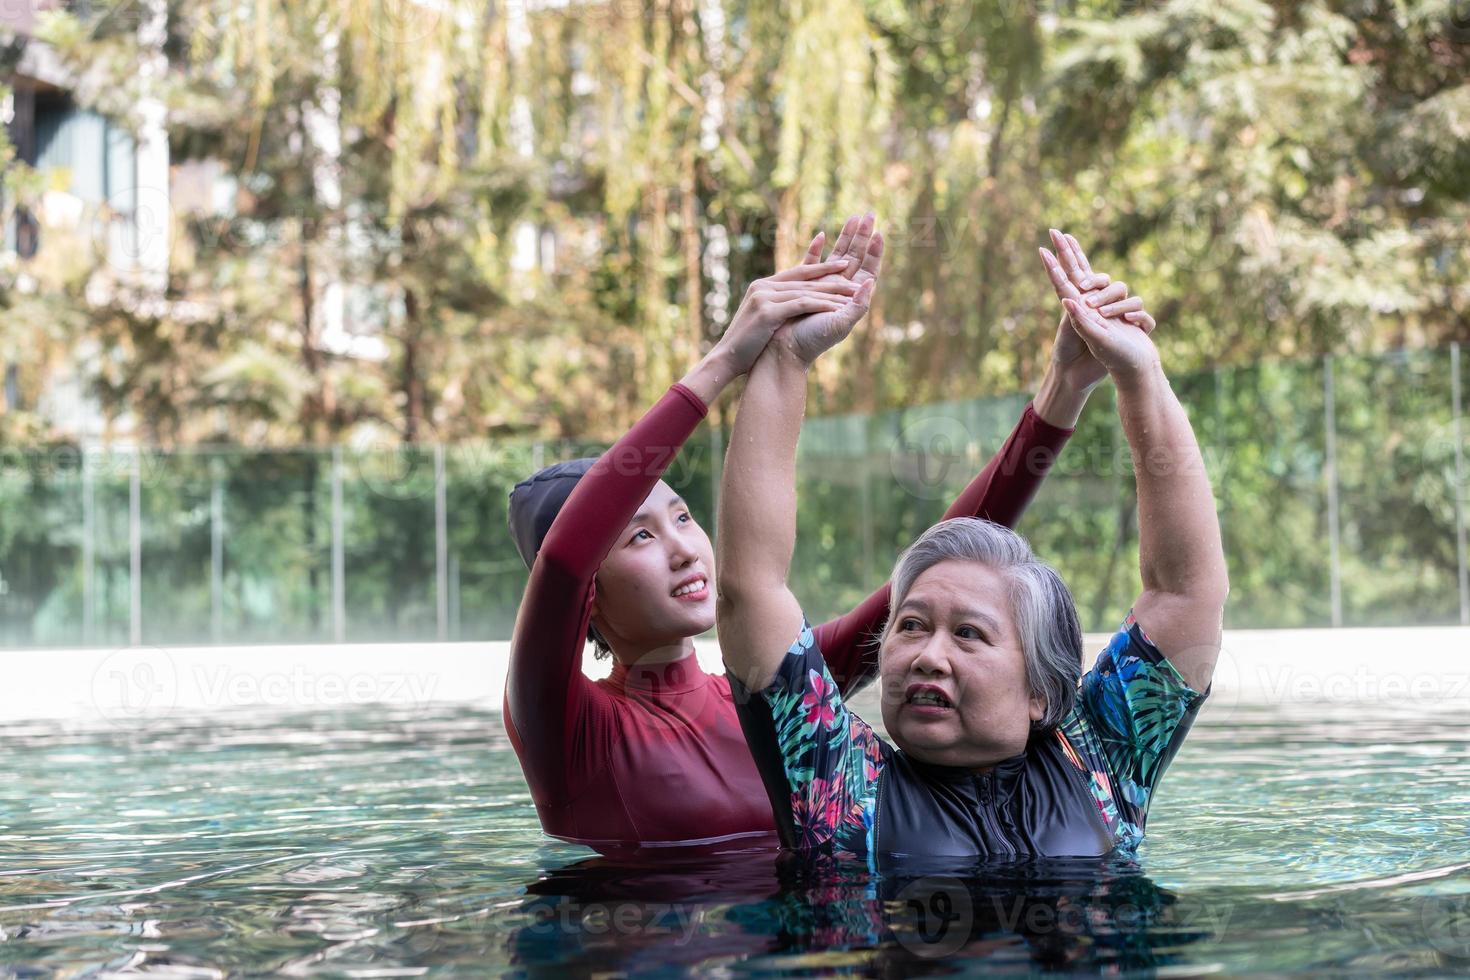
811,307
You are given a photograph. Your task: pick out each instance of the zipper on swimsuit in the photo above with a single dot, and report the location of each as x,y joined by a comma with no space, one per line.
877,812
985,793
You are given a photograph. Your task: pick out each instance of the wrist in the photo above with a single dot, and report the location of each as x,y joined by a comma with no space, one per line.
1141,379
784,351
1059,402
711,375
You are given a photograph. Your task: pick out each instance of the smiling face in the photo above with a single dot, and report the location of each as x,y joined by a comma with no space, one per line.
655,589
953,671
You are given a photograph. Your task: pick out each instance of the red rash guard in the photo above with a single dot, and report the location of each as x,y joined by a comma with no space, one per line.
653,756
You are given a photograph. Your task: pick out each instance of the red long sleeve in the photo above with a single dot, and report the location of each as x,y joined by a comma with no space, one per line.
1001,493
549,703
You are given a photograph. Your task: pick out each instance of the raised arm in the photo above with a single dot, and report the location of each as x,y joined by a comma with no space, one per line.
1006,486
757,616
1181,557
547,697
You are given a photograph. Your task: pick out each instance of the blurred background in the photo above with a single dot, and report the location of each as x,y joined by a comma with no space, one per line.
293,293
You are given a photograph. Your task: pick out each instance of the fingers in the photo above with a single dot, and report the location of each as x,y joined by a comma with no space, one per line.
844,286
873,261
1089,327
1112,294
1141,320
1068,258
1081,256
858,250
1058,276
856,308
807,271
802,305
814,250
1133,304
1079,270
844,238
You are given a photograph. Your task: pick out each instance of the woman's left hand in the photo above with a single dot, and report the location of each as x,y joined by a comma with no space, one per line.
1122,348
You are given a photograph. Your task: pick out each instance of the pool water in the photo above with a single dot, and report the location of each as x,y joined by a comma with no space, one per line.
402,842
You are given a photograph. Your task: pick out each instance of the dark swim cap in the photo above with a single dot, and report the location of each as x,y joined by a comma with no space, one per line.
535,502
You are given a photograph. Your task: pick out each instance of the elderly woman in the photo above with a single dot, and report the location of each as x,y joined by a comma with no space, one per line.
1002,746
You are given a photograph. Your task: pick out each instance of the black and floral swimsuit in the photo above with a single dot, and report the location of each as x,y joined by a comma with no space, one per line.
1081,789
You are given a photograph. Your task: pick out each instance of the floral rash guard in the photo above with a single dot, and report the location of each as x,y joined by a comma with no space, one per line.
1081,789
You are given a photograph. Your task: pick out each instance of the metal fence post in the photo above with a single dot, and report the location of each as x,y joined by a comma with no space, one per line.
339,558
454,631
1334,531
135,549
89,550
441,543
1460,487
216,552
1217,478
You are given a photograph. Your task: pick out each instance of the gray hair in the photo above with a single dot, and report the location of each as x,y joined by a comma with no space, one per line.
1046,618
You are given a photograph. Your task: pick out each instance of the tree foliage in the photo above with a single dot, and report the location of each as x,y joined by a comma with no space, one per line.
1277,178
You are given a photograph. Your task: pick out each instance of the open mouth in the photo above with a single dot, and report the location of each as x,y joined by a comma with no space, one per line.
693,589
928,697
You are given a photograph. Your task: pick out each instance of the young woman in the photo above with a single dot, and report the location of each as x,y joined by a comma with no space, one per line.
1001,752
653,756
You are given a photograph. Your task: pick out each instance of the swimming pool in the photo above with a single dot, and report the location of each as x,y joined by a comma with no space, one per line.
381,842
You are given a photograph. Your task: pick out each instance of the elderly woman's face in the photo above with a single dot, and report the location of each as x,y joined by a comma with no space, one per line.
953,671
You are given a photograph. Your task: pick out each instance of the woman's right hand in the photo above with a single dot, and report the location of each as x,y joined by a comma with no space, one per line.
860,246
808,289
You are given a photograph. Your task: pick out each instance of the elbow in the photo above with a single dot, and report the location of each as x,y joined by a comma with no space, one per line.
1202,588
732,592
558,551
1214,585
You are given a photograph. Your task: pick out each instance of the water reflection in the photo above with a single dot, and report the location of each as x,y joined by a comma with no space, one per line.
784,913
404,843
